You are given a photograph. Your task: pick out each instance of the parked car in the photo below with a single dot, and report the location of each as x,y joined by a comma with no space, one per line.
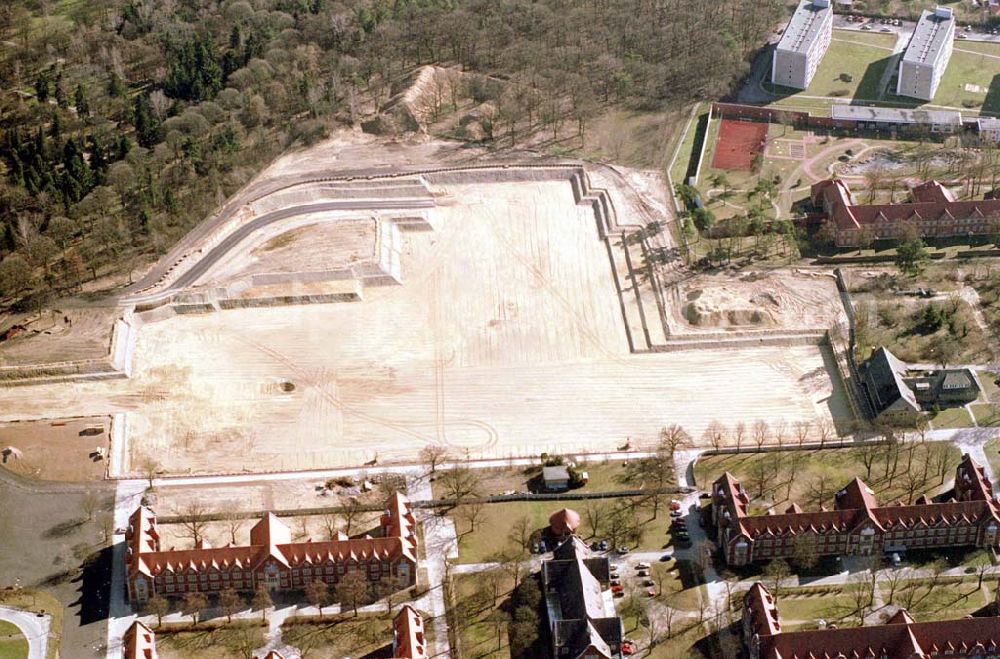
620,593
643,565
676,513
603,545
885,29
682,535
628,648
675,504
616,582
622,550
678,523
650,592
961,36
649,583
617,589
666,557
643,573
866,27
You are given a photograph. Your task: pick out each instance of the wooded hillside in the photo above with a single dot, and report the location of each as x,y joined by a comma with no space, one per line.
122,124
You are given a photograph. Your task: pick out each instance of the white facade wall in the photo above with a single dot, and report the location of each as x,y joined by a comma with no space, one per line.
921,79
796,67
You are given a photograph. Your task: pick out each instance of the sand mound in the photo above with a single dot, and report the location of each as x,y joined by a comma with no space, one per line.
416,102
717,308
759,299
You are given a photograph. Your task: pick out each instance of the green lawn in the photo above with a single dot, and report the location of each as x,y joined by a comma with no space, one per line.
497,519
982,70
862,56
768,477
953,417
987,414
210,641
13,644
39,602
687,152
952,600
339,636
803,611
477,633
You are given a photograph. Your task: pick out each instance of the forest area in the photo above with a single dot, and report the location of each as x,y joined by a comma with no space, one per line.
124,123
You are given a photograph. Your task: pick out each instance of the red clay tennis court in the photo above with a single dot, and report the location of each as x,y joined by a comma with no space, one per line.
739,143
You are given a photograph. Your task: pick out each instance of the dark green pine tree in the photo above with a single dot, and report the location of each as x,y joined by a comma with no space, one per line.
80,101
147,127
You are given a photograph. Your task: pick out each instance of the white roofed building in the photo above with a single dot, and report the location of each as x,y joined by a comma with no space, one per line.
926,58
802,46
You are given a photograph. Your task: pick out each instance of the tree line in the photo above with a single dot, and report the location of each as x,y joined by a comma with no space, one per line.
124,123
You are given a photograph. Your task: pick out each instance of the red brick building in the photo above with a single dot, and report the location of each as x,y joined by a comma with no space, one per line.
139,642
899,638
408,638
271,560
858,525
932,213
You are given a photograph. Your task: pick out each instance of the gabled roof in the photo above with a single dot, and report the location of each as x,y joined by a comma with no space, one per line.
971,481
901,637
883,375
139,642
270,538
580,615
409,641
931,201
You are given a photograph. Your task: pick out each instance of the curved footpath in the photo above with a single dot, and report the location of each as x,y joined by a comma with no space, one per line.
33,626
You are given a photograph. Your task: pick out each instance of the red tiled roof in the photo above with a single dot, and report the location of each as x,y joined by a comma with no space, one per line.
932,201
763,613
564,521
899,637
970,478
139,642
409,641
271,538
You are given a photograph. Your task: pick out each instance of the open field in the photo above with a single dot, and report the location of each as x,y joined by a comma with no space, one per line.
506,338
57,450
862,56
340,636
223,642
50,338
971,82
13,644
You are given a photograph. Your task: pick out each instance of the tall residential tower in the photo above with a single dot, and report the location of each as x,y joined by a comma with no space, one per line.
803,44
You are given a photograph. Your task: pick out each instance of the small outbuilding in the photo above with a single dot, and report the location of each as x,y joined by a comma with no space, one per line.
555,478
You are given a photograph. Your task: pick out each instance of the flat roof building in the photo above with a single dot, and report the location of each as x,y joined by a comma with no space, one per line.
802,46
926,58
935,121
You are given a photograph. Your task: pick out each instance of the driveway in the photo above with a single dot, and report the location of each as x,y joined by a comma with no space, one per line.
34,627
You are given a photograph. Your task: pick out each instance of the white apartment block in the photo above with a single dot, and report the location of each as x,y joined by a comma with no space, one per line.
803,44
926,57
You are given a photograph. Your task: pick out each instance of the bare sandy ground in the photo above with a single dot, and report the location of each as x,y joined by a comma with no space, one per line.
786,299
51,339
506,339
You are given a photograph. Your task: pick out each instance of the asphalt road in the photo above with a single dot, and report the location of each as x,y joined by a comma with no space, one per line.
34,627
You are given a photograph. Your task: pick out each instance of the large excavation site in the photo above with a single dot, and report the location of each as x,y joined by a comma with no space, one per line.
494,311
